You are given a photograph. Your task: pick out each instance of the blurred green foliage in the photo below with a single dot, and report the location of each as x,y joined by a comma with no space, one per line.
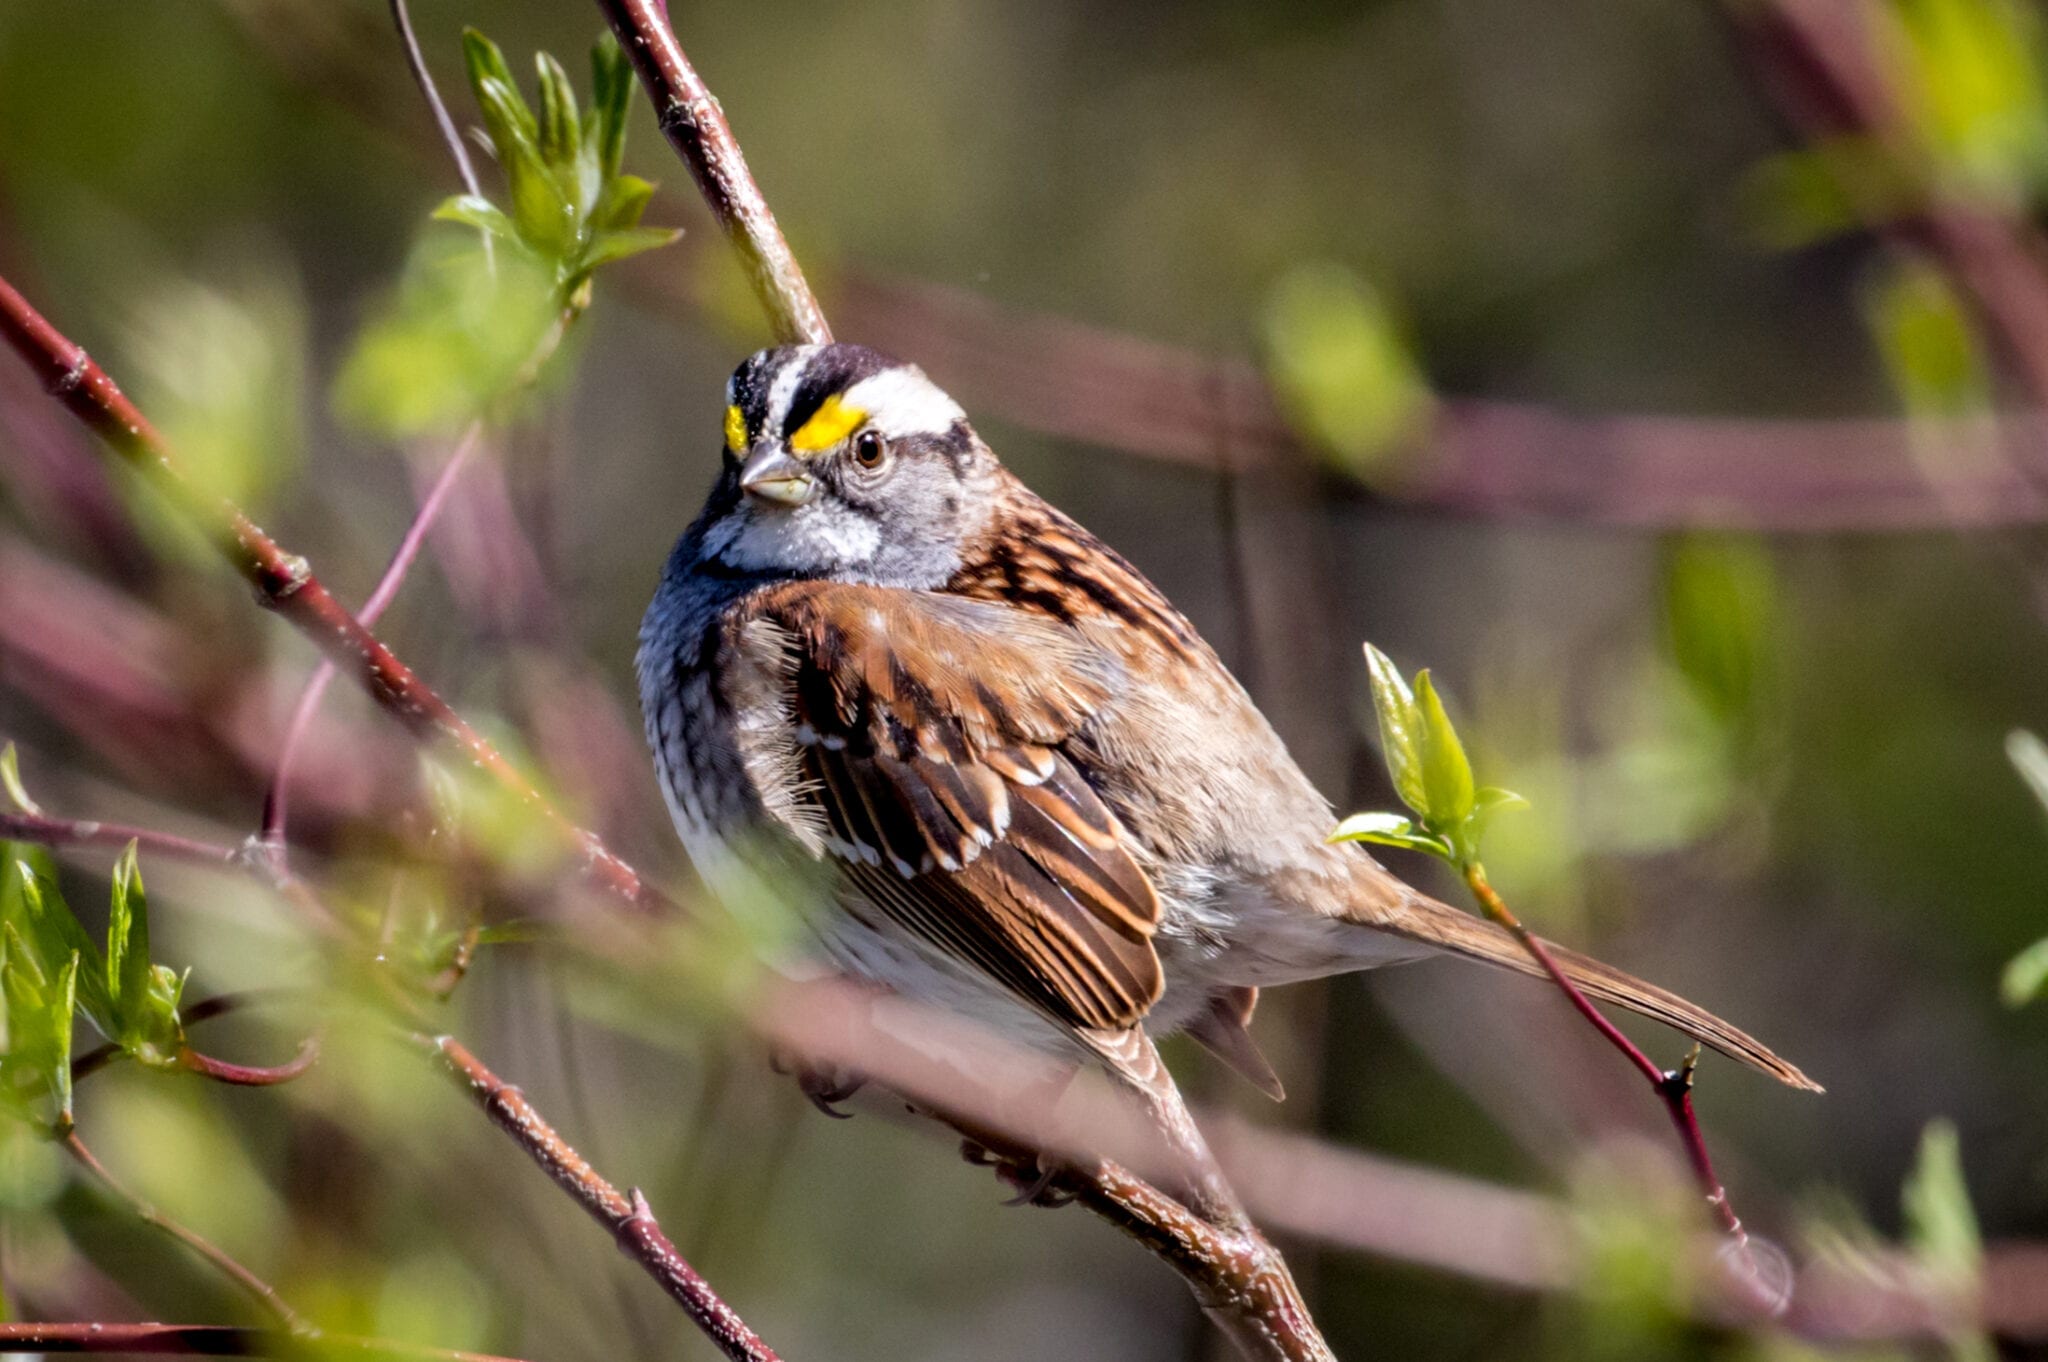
1340,362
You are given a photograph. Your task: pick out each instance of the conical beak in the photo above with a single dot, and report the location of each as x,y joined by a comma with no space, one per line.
773,475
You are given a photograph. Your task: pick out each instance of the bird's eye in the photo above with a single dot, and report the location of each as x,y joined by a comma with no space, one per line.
870,448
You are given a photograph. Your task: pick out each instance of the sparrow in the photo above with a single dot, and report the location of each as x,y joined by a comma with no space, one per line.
1021,785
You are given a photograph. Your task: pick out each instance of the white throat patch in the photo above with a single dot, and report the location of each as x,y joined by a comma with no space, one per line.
820,536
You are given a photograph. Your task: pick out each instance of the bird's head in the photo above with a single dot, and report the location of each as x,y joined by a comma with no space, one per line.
842,462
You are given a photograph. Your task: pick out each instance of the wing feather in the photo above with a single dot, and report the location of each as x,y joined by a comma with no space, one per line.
929,741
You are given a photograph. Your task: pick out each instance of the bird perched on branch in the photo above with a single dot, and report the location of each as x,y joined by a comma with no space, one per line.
1033,792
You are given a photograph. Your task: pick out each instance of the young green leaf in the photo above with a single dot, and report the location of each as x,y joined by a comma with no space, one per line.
1391,830
487,66
625,199
1400,729
1940,1225
10,781
611,86
1446,771
610,246
129,976
1941,1229
561,135
2029,756
38,1007
53,933
476,211
62,1006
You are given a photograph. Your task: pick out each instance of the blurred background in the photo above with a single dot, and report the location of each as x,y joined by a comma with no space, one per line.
1660,374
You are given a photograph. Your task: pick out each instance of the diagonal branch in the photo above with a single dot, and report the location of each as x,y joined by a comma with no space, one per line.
285,581
262,1292
695,126
627,1216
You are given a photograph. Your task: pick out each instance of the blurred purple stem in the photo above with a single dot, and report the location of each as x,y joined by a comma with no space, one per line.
275,806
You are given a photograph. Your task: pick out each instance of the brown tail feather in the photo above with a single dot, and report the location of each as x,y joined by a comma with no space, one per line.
1436,924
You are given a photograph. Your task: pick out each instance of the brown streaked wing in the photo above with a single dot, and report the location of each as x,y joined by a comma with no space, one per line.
929,737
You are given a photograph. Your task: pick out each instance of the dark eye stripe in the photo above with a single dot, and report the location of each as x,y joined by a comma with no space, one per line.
832,370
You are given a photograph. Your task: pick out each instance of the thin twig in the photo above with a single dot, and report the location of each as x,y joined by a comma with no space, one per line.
93,1060
276,810
626,1215
1673,1087
416,62
216,1340
285,581
262,1292
250,1075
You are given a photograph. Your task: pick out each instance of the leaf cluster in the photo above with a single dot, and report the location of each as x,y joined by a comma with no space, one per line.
51,970
568,203
1431,773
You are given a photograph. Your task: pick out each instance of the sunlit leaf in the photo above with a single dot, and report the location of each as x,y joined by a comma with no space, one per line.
1969,81
1392,830
53,933
1941,1227
1929,342
1446,771
2029,756
454,339
1721,619
1400,729
610,246
477,211
625,199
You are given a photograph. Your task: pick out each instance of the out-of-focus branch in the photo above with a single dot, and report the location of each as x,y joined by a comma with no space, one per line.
215,1340
1821,61
64,832
695,125
262,1292
1510,460
285,581
276,807
626,1215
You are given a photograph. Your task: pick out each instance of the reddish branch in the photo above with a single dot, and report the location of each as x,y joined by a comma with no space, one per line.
695,125
284,581
626,1215
216,1340
1673,1087
1822,63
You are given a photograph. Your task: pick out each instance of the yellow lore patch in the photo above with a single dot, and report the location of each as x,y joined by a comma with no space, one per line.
831,423
735,430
